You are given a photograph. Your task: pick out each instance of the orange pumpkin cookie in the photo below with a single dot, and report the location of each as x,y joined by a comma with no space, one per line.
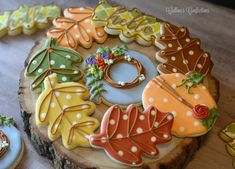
191,104
75,28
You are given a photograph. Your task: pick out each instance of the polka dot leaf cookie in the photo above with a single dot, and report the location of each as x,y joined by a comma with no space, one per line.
194,110
76,28
54,59
126,135
181,53
66,112
27,19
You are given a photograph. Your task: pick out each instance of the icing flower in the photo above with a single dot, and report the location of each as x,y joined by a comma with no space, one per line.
105,56
91,60
100,62
201,112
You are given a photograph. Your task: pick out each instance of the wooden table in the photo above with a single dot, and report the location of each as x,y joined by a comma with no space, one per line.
215,27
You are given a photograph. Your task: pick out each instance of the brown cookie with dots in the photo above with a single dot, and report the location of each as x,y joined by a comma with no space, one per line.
180,53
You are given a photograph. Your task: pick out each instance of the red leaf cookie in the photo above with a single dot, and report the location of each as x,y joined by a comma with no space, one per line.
181,53
125,135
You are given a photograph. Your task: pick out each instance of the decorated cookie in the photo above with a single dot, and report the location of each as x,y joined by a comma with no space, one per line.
133,25
75,28
104,72
11,144
27,19
228,136
180,53
54,59
126,135
186,98
102,12
63,108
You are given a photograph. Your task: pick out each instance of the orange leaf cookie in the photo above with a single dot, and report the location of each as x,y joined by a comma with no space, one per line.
75,28
180,52
194,112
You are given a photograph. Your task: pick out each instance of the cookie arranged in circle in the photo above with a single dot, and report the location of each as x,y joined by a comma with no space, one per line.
126,135
193,107
11,144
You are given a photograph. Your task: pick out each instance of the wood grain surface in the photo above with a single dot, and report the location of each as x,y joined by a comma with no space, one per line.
215,28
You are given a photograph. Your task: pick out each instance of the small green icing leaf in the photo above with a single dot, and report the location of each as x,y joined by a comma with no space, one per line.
54,59
210,120
6,121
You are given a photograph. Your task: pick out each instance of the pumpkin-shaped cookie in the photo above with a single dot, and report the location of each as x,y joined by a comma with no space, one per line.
190,102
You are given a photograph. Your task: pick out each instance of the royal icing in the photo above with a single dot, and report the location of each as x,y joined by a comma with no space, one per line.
194,112
126,135
11,144
26,19
62,107
54,59
181,53
75,28
133,25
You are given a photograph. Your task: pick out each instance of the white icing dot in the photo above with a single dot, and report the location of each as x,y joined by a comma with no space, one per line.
56,126
205,55
191,52
153,113
112,122
189,113
77,35
203,87
169,117
196,123
133,163
134,149
64,23
34,62
103,140
173,58
125,117
88,30
57,93
43,115
82,9
147,86
187,40
78,115
68,56
174,86
197,96
52,62
165,136
198,43
174,70
174,113
185,61
75,27
119,136
62,66
139,130
75,72
64,78
177,75
181,128
156,124
165,99
65,106
99,33
151,100
169,45
179,48
52,104
120,152
182,29
87,20
40,70
153,139
199,66
74,123
141,117
68,96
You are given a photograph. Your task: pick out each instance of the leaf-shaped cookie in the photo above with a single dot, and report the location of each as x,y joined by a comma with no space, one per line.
27,19
133,25
125,135
64,109
76,29
54,59
181,53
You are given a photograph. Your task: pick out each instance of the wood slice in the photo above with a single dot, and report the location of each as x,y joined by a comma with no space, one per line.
175,154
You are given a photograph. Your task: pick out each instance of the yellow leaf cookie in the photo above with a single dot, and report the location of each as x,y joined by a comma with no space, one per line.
63,108
194,110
